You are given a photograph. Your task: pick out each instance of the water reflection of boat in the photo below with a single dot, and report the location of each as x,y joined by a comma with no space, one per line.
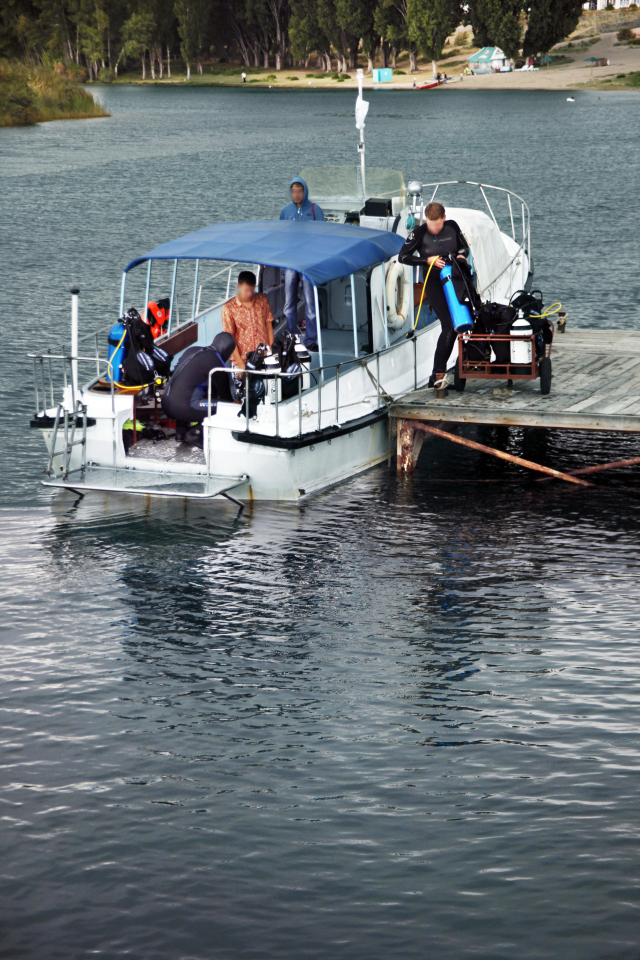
331,421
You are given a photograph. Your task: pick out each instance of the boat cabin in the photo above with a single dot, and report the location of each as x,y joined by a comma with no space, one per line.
344,264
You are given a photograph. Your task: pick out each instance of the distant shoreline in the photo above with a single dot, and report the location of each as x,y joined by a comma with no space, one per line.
515,82
574,73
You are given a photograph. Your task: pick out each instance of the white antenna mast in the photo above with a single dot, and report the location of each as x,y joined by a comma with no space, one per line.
362,108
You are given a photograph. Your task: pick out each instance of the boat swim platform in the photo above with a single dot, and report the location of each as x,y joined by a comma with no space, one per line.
148,483
595,386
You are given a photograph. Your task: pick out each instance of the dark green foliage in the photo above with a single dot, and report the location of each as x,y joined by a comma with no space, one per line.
137,34
626,34
497,23
550,21
18,102
392,22
431,22
304,30
193,18
34,94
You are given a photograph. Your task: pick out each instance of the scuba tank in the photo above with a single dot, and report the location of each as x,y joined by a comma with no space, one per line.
460,313
117,340
304,359
521,349
274,386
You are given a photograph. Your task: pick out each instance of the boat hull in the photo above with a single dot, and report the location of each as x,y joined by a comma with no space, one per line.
290,474
287,471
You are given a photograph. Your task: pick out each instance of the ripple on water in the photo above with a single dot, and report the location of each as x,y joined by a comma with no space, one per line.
403,714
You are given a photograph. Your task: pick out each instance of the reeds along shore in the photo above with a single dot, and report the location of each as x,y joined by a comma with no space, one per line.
36,94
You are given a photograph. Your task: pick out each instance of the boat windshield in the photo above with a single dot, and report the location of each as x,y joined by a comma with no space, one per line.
342,186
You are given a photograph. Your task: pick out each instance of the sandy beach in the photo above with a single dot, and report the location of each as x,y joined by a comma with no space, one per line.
622,58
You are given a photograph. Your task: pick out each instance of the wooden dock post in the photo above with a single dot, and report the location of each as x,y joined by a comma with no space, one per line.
409,444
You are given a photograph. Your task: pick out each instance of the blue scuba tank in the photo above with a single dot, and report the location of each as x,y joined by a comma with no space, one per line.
116,351
460,313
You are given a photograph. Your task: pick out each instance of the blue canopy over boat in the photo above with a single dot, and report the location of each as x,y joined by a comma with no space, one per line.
321,251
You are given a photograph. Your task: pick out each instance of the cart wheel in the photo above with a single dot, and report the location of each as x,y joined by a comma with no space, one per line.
544,369
459,383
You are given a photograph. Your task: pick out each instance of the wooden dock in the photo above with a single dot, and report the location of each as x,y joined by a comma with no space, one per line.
595,386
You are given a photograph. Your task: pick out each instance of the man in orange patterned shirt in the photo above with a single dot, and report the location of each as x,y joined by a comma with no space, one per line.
248,318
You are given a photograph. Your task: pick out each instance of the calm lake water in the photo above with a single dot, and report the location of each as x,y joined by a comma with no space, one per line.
398,721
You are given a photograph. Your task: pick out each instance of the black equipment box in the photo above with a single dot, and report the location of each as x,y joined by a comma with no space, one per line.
375,207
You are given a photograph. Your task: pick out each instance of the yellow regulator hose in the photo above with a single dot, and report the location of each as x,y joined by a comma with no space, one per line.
549,312
424,287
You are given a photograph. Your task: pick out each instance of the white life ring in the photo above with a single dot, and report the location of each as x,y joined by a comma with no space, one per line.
398,275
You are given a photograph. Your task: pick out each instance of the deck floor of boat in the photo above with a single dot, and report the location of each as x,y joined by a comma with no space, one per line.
165,450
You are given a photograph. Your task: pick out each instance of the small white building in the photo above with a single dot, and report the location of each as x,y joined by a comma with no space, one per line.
602,4
489,60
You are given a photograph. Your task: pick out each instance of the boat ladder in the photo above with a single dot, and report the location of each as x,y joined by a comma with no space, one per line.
70,424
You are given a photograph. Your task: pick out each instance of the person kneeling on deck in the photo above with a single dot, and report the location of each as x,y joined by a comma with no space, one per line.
248,318
186,396
428,244
300,208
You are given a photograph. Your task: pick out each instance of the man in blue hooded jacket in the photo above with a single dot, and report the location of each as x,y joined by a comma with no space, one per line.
300,208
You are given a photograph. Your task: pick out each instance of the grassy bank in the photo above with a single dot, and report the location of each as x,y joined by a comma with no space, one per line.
622,81
37,94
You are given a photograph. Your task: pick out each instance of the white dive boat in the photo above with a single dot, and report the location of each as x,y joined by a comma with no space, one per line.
370,348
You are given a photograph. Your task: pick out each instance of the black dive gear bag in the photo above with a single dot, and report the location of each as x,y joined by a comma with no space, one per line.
143,359
284,347
251,390
496,318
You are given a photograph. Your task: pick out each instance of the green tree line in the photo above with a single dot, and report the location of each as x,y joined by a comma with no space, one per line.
104,35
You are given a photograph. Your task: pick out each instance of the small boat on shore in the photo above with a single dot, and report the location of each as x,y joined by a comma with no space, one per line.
431,84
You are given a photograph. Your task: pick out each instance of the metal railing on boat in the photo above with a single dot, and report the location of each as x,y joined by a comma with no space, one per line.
524,246
362,362
77,408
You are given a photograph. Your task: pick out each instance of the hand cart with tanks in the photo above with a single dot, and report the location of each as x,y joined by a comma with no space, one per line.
519,351
475,352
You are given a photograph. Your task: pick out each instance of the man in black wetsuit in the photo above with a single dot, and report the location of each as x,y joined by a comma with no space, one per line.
185,397
427,244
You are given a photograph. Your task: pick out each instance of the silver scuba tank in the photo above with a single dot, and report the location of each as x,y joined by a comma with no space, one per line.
273,384
304,359
521,348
